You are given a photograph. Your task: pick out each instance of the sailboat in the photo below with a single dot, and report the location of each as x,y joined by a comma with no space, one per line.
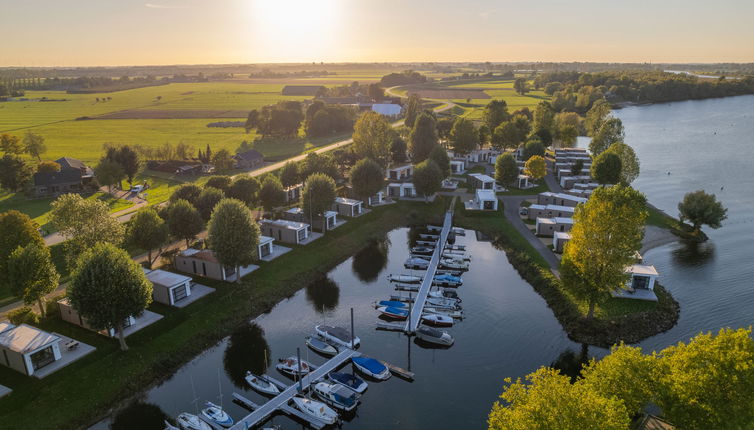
188,421
215,413
260,382
316,409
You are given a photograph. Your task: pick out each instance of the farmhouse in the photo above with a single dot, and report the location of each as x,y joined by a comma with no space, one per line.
203,262
131,325
400,173
250,159
549,211
484,200
549,226
73,177
559,239
286,231
348,207
302,90
562,199
27,349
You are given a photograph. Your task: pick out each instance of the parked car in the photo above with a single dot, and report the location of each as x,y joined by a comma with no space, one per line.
524,211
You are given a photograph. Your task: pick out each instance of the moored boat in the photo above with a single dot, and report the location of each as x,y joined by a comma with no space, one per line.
337,396
448,280
423,249
337,335
394,313
437,320
217,415
316,409
188,421
352,382
392,304
320,346
453,264
416,264
371,367
432,335
261,384
169,426
293,366
409,279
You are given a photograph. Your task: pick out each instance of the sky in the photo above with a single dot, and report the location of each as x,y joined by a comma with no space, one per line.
152,32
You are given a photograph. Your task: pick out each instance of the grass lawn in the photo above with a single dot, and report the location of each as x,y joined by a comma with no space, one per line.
659,218
541,188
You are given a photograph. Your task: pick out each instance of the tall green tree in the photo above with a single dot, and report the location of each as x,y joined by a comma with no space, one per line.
440,156
521,86
208,198
506,136
610,131
188,192
495,113
245,189
544,122
127,157
223,161
699,207
16,230
221,182
629,162
108,287
34,145
533,147
289,175
607,168
146,230
596,116
372,137
318,195
233,235
184,221
15,173
398,150
607,231
271,194
109,173
536,167
10,145
367,178
427,178
413,109
423,137
464,136
506,169
31,274
444,127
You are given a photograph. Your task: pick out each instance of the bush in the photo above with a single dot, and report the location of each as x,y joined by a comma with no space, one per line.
51,306
23,315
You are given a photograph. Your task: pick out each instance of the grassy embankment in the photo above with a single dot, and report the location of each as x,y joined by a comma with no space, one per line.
85,391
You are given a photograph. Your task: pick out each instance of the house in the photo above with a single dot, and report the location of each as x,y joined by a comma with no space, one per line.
549,226
400,173
484,200
559,239
73,177
27,349
387,109
522,181
286,231
588,186
482,155
327,221
202,262
250,159
348,207
562,199
570,181
579,193
401,190
130,326
481,181
189,169
293,193
550,211
302,90
640,284
457,166
170,288
376,199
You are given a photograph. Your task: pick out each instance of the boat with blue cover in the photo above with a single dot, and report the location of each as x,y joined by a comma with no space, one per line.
352,382
371,367
394,313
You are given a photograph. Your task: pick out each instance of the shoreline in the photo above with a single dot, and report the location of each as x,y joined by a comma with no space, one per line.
655,237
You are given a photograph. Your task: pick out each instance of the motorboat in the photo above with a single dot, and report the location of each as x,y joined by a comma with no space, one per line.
423,249
352,382
394,313
458,314
447,280
421,257
443,303
293,366
406,287
408,279
416,264
392,303
337,396
445,293
262,384
320,346
437,320
433,335
456,254
456,247
371,367
431,243
441,271
429,236
316,409
337,335
217,415
188,421
454,264
169,426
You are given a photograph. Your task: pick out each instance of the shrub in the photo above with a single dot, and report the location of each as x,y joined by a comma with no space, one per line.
23,315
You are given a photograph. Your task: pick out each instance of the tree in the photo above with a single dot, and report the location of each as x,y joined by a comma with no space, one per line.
533,147
376,92
318,195
48,167
10,145
606,233
16,230
464,137
221,182
398,150
548,400
15,173
146,230
423,137
413,109
318,163
427,178
699,208
245,189
440,156
289,175
251,120
107,288
271,195
495,113
607,168
367,178
566,134
444,127
184,221
31,274
208,198
34,145
84,222
611,131
223,160
596,116
544,122
233,235
520,86
188,192
372,137
536,167
109,173
506,169
127,157
629,162
505,136
484,134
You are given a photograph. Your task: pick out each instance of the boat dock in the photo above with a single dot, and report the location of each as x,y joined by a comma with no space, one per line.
280,402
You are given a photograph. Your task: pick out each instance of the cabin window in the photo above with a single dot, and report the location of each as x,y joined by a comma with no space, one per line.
42,358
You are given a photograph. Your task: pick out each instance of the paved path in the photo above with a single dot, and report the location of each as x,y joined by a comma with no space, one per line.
551,180
511,205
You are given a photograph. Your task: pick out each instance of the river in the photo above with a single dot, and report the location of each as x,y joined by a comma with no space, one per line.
509,331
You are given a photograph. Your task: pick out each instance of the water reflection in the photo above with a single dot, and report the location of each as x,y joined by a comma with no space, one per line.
246,351
570,362
370,261
323,294
142,416
692,253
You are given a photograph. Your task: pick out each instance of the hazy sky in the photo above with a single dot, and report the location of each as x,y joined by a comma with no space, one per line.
129,32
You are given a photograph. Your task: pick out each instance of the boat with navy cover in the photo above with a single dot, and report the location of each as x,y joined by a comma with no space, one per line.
394,313
352,382
337,396
320,346
371,367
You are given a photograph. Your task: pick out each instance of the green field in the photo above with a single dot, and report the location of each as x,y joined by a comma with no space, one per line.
498,90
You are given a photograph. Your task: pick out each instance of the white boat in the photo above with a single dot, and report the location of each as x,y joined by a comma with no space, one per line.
292,366
437,320
445,293
169,426
337,335
337,396
447,312
189,421
443,303
416,264
454,264
352,382
432,335
456,254
262,384
406,287
408,279
217,415
316,409
320,346
371,367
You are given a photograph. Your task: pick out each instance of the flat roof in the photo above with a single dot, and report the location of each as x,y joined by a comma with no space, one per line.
562,235
486,194
284,223
577,177
25,338
167,279
482,177
264,239
5,325
542,220
642,269
329,214
559,208
347,201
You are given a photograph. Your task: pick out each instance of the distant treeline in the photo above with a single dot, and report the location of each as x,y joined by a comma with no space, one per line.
15,87
267,73
407,77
